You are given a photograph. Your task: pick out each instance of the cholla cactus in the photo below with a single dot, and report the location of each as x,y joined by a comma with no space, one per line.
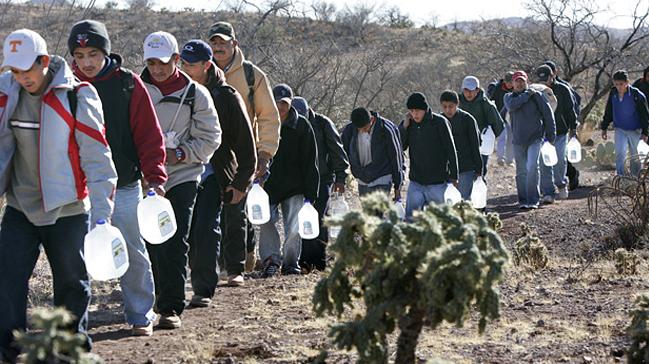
530,250
605,155
626,262
638,332
51,343
434,269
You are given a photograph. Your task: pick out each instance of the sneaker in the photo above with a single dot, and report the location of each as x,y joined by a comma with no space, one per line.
271,270
533,207
547,199
235,280
251,260
523,206
169,321
291,270
200,301
563,193
146,330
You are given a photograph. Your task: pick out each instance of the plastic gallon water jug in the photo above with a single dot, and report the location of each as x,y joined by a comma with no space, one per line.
549,154
307,218
401,211
156,218
479,193
488,142
105,252
338,208
258,205
643,148
452,195
573,150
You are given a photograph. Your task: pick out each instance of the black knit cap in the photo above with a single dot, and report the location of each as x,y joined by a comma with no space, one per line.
417,101
89,33
360,117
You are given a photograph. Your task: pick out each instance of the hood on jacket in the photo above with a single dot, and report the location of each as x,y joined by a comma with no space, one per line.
114,63
62,77
215,76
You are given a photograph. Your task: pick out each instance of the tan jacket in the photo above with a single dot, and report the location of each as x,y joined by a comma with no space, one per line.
265,117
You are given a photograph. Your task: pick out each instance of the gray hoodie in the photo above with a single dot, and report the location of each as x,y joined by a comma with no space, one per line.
531,117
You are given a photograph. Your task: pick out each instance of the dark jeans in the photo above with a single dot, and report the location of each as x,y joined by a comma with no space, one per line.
250,235
235,226
19,251
314,253
169,259
364,190
205,237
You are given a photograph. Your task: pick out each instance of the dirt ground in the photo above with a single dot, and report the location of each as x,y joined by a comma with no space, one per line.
574,311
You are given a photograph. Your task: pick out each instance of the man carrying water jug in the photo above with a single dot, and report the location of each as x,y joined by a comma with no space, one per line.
55,164
474,101
191,130
566,122
532,122
224,183
626,108
433,158
293,179
138,150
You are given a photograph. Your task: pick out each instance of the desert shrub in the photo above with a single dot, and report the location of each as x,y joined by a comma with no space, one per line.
626,262
436,268
51,343
529,250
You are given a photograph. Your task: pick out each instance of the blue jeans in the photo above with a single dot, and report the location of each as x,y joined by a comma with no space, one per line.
504,146
555,175
138,292
20,242
421,195
527,173
269,240
627,140
364,190
465,184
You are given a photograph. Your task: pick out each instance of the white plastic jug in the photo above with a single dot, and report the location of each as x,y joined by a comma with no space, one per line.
643,149
452,195
337,208
156,218
399,209
549,154
479,193
258,205
307,218
573,150
105,252
488,142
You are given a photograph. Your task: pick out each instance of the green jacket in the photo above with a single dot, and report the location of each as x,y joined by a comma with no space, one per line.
484,112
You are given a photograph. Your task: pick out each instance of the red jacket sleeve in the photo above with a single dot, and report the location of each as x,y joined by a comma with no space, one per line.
147,135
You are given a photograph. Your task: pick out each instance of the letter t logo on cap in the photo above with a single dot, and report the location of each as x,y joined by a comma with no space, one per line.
14,44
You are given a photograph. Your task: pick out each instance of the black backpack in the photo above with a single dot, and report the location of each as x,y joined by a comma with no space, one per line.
128,85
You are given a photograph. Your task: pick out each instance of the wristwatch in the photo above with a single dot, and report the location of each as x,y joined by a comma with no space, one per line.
180,154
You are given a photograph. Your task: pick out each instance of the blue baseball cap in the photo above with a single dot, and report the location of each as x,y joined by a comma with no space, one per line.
196,50
283,92
301,105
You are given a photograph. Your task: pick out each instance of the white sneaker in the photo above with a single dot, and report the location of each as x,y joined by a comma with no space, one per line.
563,193
547,199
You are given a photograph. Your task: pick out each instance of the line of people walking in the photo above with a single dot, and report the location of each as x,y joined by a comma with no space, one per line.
199,125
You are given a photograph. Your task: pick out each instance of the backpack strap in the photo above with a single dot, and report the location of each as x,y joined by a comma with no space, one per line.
250,80
128,83
73,102
189,100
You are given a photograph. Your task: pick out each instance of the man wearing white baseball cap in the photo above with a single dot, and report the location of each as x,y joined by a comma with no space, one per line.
54,163
192,133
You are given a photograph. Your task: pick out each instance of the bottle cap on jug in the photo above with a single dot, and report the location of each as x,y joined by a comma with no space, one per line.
151,192
101,222
306,200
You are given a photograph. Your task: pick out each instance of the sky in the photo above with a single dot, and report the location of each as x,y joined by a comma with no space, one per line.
616,13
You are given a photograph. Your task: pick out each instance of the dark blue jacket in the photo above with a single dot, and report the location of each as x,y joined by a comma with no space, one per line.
387,155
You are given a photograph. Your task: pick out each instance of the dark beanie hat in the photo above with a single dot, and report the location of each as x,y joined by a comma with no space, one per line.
360,117
89,33
417,101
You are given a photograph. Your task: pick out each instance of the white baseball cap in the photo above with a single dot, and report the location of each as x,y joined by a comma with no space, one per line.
470,83
160,45
21,48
